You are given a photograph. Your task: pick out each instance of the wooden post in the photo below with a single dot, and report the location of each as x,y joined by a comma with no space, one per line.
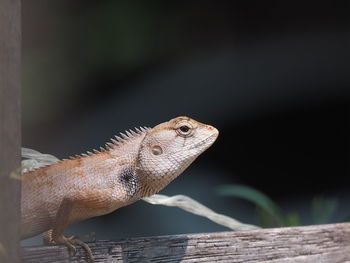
319,243
10,131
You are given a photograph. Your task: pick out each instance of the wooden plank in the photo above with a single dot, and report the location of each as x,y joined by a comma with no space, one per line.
321,243
10,130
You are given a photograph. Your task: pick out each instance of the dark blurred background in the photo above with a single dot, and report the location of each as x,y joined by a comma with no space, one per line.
272,77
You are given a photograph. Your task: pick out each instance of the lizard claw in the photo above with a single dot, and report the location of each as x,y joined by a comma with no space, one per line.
85,247
73,237
70,243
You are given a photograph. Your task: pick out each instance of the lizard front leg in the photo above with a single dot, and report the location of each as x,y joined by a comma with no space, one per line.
90,203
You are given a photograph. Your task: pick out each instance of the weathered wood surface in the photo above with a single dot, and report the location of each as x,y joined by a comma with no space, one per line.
10,129
321,243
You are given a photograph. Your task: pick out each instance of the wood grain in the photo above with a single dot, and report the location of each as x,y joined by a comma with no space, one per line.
321,243
10,129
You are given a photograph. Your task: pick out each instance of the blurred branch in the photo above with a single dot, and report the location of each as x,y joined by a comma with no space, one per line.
188,204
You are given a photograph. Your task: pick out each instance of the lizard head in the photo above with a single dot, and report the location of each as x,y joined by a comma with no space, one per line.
170,147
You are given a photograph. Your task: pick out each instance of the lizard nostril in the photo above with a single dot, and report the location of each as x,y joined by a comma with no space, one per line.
213,129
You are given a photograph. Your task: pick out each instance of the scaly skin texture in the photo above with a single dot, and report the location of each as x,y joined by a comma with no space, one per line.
138,165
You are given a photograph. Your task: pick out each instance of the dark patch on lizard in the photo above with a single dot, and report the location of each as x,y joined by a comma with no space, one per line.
129,181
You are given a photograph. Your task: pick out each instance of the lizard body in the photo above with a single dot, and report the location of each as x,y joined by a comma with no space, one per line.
138,165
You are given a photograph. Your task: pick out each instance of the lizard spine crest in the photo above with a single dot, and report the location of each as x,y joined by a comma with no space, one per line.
114,142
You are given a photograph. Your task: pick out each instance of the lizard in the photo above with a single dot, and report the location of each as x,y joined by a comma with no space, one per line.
138,164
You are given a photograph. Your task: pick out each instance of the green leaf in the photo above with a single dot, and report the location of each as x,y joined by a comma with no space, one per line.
265,219
291,219
323,209
254,196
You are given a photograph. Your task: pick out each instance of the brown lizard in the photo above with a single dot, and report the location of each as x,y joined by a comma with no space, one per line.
137,165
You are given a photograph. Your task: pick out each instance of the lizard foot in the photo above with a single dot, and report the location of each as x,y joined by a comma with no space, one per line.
70,243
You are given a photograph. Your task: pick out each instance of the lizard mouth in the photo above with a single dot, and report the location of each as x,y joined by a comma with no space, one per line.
207,142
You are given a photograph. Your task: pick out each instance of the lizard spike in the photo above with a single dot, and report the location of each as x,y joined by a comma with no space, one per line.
133,133
128,134
125,137
138,130
102,149
95,151
89,153
143,129
119,139
83,155
114,141
71,157
109,145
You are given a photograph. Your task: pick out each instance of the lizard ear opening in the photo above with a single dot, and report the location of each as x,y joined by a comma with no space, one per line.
157,150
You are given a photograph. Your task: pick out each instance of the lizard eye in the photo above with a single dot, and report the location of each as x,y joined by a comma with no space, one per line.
184,130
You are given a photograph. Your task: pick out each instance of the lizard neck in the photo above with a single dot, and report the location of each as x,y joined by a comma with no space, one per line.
152,183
